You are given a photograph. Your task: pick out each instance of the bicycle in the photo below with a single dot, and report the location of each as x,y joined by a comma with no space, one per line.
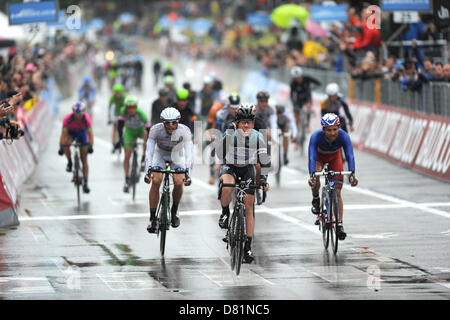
77,174
302,130
236,235
134,172
163,210
280,151
329,207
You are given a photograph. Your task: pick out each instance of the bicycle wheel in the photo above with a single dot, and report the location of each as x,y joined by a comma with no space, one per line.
77,178
334,220
280,162
323,220
232,232
133,175
163,223
240,241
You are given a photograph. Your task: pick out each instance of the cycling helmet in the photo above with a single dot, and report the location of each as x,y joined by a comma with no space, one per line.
131,101
182,94
87,79
330,119
332,89
170,114
296,72
118,88
246,111
79,108
263,95
234,100
163,92
208,80
280,109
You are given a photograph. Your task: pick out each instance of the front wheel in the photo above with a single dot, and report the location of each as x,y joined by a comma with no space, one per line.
324,226
163,223
334,221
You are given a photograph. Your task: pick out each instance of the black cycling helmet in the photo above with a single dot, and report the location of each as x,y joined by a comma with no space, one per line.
234,99
280,109
263,95
163,92
246,111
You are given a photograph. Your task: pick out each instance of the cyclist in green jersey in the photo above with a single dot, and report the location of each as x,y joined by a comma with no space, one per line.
116,102
136,126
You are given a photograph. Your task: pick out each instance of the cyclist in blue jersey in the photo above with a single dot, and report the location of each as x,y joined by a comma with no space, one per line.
325,147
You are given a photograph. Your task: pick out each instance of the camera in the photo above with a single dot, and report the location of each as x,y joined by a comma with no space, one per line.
12,131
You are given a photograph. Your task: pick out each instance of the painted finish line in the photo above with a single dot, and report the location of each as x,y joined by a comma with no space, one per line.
212,212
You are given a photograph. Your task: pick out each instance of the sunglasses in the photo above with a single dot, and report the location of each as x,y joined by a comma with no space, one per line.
263,100
247,122
170,122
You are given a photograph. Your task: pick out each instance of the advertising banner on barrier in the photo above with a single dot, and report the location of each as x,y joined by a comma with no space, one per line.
417,141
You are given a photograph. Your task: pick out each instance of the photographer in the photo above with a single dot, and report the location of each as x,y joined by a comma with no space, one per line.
12,129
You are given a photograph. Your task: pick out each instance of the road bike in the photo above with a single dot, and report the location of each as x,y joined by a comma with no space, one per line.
329,207
163,211
135,169
236,235
77,171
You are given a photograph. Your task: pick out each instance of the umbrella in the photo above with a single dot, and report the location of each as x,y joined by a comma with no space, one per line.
97,23
126,18
315,29
282,15
201,25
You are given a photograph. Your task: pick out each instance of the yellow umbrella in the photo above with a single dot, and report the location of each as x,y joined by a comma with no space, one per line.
282,15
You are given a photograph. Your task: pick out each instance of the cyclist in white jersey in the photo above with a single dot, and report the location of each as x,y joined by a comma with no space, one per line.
168,141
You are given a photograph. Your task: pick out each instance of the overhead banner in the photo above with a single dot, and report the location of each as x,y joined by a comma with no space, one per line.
33,12
406,5
329,13
441,13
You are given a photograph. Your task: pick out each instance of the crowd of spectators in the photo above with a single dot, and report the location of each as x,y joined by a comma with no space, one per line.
24,73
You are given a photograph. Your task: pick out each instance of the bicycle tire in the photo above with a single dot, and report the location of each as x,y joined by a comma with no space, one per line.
323,221
240,241
334,220
280,163
163,224
133,176
232,237
77,177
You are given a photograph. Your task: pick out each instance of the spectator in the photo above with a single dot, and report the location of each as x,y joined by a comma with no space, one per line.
438,72
412,81
447,72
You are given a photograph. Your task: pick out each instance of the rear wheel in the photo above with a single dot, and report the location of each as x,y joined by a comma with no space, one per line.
133,176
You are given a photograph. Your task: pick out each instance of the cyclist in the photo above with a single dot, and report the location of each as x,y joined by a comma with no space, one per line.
169,83
266,113
325,147
300,93
285,121
156,71
136,126
77,126
188,117
206,97
239,150
159,105
116,102
192,94
113,72
334,104
168,141
87,93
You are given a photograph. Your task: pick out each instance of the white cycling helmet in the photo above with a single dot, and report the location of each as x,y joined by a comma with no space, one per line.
296,72
332,89
170,114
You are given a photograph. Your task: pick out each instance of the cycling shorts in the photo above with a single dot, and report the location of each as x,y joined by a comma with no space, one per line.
130,136
335,163
245,173
298,106
160,157
81,137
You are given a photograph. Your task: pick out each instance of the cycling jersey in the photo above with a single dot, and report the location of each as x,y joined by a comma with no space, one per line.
177,147
336,108
115,104
301,91
319,145
86,93
137,121
213,114
240,152
224,120
77,130
268,115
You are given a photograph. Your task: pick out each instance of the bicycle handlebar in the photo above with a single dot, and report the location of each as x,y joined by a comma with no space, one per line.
333,173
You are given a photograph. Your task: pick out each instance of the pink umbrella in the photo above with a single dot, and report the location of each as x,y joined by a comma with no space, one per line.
315,29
